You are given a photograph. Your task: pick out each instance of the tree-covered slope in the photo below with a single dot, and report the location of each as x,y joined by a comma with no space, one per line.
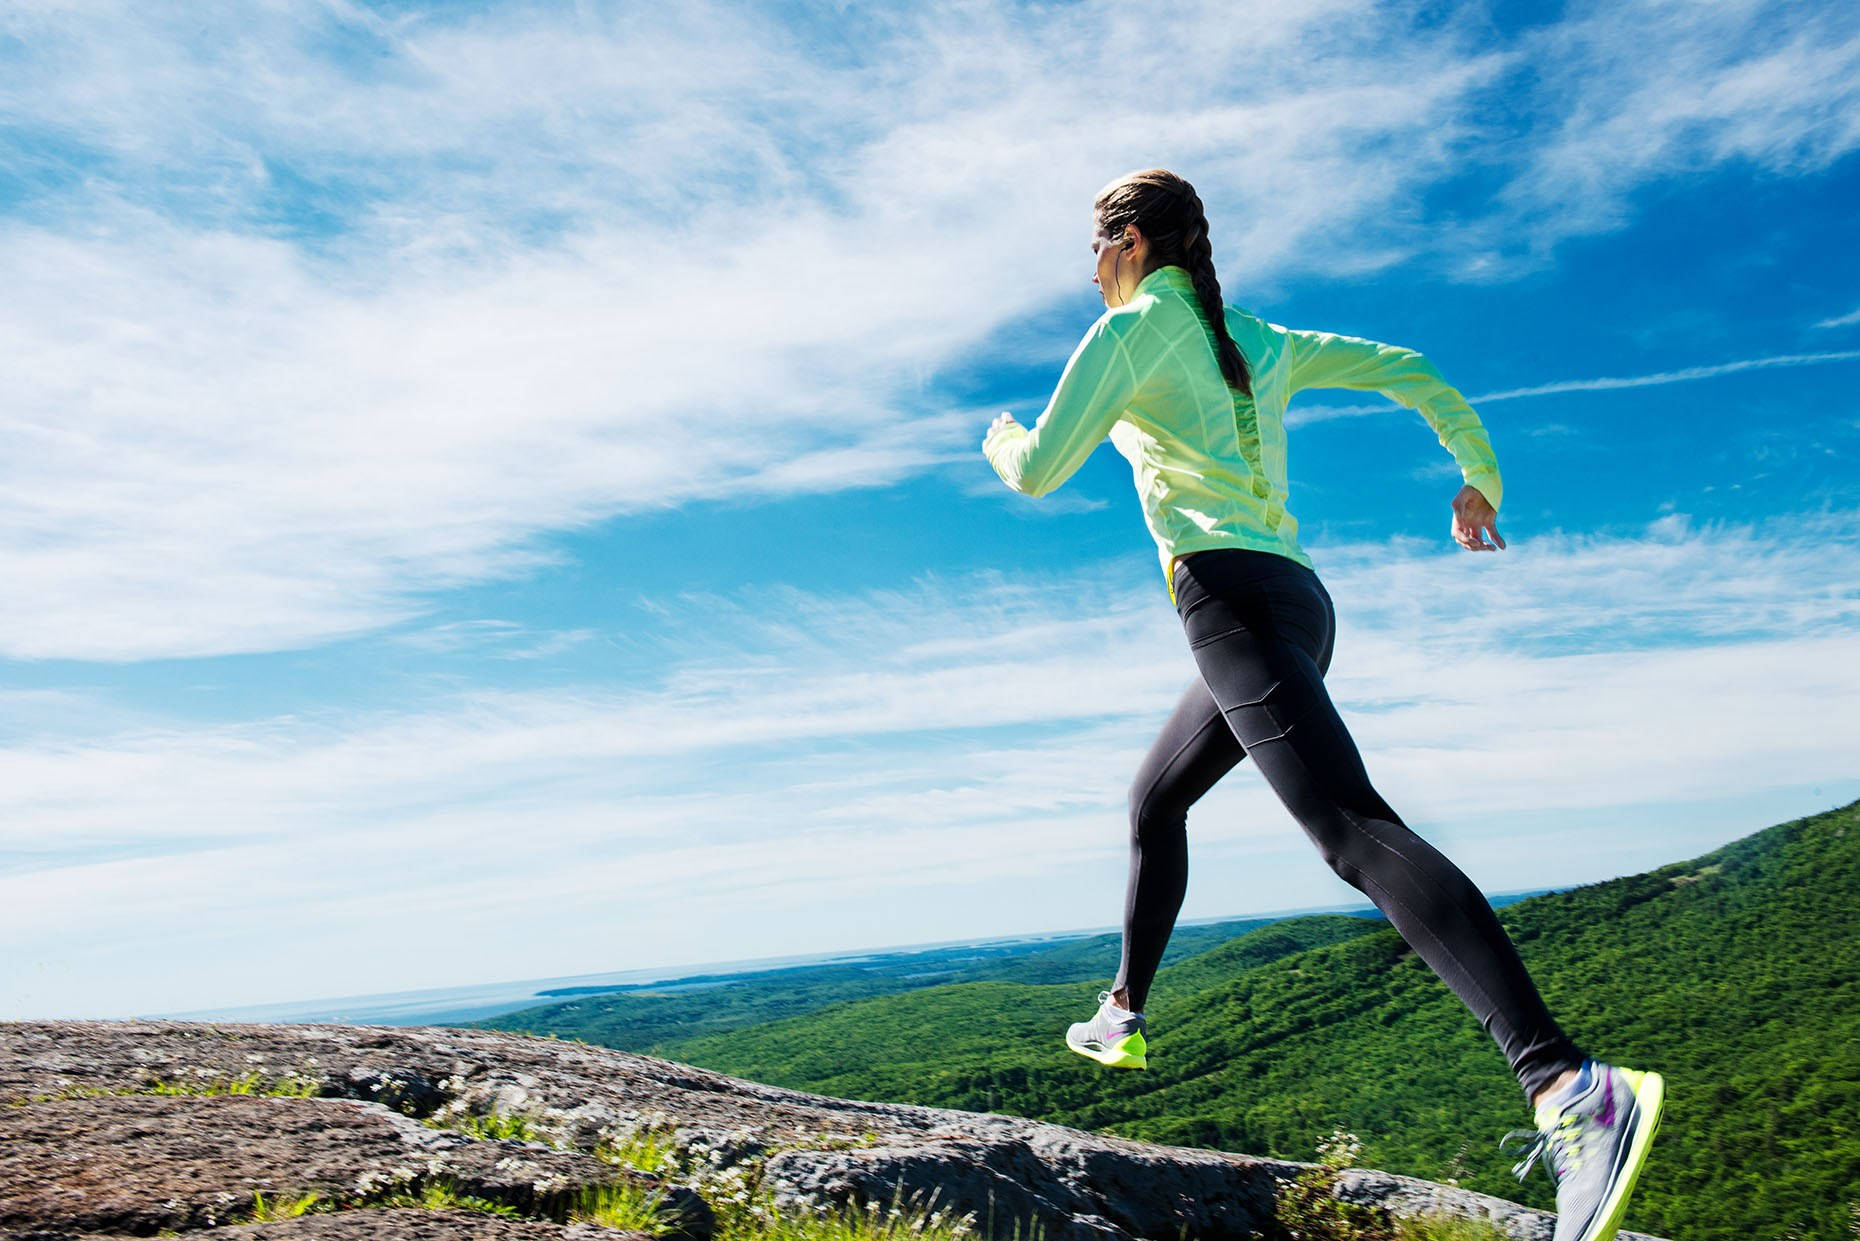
1736,975
985,1044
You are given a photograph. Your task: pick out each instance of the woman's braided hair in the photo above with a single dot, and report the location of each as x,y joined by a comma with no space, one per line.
1168,212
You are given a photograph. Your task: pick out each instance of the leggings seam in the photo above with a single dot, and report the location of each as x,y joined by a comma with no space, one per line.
1422,923
1362,830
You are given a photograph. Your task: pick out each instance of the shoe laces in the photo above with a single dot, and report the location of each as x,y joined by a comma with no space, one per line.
1561,1143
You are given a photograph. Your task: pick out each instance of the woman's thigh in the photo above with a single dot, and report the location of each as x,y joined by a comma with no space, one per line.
1261,633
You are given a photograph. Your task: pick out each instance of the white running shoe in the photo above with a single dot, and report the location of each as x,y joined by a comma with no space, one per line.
1114,1037
1594,1144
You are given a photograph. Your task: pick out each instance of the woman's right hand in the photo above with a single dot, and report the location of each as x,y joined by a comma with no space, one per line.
1473,516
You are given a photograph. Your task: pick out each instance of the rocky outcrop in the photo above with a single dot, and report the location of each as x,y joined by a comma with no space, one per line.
79,1162
140,1164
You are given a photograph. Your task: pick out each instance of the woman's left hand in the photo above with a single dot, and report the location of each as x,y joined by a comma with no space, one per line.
1005,420
1473,516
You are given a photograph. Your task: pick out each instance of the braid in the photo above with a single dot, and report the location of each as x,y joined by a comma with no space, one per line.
1170,214
1198,256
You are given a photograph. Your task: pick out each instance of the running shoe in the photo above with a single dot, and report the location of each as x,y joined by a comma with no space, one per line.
1593,1138
1113,1037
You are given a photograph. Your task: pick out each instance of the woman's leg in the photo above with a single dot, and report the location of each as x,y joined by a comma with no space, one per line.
1193,751
1256,628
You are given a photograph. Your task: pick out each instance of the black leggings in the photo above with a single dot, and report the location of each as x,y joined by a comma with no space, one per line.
1261,627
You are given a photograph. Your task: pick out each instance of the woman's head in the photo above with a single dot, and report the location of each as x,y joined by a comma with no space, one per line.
1152,219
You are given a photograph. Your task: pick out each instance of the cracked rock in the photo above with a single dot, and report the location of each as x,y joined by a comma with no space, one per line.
140,1164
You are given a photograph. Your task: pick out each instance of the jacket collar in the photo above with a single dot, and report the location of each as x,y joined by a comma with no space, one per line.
1171,276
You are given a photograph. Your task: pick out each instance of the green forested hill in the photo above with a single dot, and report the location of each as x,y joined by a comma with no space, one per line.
1736,975
969,1043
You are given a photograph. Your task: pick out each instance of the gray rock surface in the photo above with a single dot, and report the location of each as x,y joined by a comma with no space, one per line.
380,1224
729,1138
139,1164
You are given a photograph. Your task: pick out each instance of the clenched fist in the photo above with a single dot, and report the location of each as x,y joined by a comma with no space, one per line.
1473,516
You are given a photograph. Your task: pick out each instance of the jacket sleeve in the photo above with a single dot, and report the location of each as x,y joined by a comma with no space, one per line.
1096,386
1324,360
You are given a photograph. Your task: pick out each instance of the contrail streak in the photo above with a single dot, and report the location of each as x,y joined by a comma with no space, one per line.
1607,383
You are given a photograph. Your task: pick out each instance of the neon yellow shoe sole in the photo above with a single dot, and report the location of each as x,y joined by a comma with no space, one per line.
1127,1053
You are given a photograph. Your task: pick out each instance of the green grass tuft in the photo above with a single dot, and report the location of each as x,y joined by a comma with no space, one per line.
267,1212
1309,1210
897,1221
626,1205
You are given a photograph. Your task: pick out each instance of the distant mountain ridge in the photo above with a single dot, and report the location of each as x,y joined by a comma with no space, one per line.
1735,974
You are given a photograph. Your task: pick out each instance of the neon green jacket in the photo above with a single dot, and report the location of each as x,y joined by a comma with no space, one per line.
1208,461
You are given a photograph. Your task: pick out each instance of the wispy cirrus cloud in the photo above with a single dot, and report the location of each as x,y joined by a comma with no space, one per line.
1629,93
319,310
844,751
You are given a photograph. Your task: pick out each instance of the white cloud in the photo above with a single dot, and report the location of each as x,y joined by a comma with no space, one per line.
495,639
1631,91
1847,320
326,311
889,755
316,311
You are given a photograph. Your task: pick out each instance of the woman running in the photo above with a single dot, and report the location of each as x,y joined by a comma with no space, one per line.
1193,393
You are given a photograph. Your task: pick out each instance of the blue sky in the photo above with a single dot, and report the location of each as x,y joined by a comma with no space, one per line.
494,491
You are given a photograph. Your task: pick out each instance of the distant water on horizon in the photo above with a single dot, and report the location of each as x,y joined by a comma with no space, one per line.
441,1005
445,1005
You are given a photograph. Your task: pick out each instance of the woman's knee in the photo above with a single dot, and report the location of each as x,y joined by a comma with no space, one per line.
1155,814
1344,862
1356,840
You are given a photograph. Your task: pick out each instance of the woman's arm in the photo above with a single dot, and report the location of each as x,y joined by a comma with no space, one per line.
1325,360
1096,386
